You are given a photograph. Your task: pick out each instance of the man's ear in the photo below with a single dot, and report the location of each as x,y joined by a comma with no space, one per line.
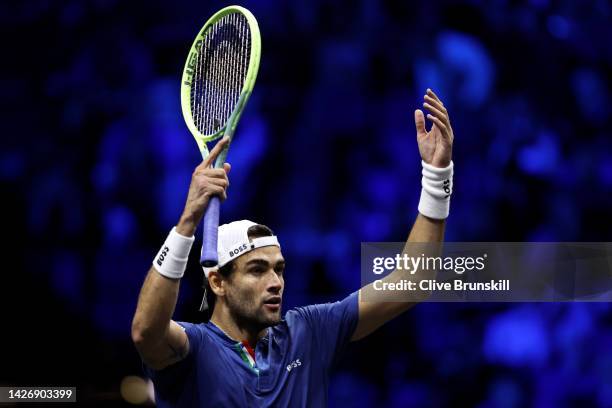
216,282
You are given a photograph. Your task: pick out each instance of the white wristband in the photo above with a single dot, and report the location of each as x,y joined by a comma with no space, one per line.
171,260
437,188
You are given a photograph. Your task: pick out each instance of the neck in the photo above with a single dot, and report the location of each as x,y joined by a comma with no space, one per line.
234,328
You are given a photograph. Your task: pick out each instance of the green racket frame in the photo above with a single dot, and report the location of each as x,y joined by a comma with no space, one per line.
249,83
210,224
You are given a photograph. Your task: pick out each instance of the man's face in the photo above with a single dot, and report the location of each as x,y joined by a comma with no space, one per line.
255,287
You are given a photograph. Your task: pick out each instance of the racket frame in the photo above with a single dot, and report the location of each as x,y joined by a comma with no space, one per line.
249,82
210,222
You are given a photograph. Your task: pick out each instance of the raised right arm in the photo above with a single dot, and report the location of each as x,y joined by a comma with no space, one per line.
161,341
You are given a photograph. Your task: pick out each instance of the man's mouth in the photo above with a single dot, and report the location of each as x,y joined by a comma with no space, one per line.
273,303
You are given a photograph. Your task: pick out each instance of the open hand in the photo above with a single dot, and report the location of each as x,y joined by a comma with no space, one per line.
435,146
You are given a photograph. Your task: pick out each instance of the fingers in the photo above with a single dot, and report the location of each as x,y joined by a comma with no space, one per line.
437,113
212,186
211,172
432,94
436,104
210,159
219,191
438,123
212,190
207,182
436,107
419,122
211,181
219,182
432,99
213,176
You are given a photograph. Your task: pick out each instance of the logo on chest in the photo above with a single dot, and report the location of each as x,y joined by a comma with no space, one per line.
293,364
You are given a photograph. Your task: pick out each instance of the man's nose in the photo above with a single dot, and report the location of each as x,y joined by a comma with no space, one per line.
274,283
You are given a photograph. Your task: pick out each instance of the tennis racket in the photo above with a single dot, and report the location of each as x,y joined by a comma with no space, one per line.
217,81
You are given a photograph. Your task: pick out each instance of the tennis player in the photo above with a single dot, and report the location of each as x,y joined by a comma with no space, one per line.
248,355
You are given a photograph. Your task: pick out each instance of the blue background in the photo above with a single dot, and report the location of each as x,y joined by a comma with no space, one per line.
96,162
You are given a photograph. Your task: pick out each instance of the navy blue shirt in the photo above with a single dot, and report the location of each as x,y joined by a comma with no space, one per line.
292,362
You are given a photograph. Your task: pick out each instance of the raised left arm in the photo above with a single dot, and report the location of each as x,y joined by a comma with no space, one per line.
435,147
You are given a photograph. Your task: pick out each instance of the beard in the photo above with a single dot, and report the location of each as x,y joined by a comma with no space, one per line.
249,312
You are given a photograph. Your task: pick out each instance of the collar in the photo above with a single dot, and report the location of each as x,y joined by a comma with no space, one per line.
231,341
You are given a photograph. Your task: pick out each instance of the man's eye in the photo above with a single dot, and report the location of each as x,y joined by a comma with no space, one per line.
279,270
257,270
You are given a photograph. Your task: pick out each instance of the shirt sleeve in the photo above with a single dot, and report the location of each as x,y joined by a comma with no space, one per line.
333,325
170,381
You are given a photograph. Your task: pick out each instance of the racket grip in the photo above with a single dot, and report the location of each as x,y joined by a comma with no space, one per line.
210,227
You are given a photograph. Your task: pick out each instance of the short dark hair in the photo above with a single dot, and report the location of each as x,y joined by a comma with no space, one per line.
254,231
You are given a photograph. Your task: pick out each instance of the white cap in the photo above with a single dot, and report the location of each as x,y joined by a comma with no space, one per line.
233,241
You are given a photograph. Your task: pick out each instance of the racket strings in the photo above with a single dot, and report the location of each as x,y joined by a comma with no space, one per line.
220,72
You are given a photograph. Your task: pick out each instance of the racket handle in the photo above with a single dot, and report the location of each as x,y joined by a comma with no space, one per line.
210,227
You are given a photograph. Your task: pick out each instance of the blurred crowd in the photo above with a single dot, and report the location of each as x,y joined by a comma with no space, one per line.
96,161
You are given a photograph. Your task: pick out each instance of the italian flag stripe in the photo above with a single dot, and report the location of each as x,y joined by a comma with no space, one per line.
244,351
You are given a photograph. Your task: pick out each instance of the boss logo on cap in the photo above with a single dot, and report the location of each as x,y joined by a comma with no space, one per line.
238,250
